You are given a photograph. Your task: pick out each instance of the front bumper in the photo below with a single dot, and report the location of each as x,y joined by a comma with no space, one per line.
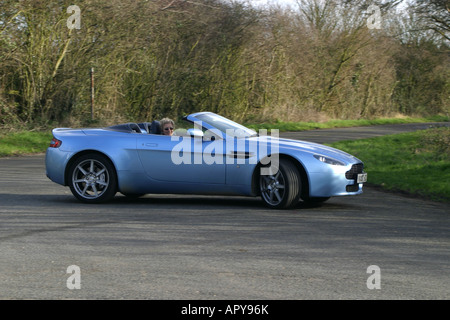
341,181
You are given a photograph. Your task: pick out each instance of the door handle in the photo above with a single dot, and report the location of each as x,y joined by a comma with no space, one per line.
151,145
240,155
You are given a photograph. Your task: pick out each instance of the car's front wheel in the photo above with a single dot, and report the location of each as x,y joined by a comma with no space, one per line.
92,178
281,190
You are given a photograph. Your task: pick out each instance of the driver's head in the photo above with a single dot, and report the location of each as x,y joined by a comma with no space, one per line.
167,126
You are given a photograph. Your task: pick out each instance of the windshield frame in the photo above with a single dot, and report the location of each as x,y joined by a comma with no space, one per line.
212,121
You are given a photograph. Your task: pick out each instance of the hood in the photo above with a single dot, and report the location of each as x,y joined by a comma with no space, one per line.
308,147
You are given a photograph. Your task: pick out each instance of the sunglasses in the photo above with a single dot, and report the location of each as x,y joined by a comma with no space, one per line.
167,129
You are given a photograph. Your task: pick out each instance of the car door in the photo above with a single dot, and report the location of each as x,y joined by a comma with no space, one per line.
242,158
182,159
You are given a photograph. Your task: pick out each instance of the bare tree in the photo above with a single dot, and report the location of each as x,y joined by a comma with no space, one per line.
436,15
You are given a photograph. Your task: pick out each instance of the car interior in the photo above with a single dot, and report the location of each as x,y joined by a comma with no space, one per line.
153,127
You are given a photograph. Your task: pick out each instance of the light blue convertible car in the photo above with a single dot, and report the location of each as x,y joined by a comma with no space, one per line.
213,156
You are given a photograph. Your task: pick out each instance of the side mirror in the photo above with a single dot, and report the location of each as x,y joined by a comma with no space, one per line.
195,133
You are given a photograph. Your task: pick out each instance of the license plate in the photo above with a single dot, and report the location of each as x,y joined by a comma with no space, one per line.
362,177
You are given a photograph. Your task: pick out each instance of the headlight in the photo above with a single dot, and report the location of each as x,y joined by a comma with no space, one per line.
328,160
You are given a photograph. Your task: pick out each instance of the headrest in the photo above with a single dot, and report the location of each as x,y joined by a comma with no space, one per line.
155,127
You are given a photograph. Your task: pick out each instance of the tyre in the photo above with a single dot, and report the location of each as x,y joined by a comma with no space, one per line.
92,178
281,190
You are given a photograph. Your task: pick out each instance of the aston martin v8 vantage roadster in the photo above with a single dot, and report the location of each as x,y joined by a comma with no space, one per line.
214,156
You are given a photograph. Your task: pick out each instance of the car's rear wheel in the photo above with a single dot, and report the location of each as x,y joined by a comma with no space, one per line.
92,178
282,189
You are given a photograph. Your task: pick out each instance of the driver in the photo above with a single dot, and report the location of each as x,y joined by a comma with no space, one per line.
167,126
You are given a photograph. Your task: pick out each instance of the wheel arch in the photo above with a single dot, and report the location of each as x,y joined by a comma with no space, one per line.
82,153
301,169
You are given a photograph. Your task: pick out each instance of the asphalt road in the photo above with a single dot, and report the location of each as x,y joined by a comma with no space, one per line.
195,247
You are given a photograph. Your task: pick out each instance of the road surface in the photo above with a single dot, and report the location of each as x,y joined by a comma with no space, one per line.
373,246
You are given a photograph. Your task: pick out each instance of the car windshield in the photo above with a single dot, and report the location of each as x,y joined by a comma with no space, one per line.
225,125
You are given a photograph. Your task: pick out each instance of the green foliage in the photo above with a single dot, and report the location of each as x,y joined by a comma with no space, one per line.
168,58
20,143
417,163
436,142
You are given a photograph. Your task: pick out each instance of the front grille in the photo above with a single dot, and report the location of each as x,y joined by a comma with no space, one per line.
353,172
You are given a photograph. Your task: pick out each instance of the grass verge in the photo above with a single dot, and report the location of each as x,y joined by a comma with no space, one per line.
21,143
417,163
